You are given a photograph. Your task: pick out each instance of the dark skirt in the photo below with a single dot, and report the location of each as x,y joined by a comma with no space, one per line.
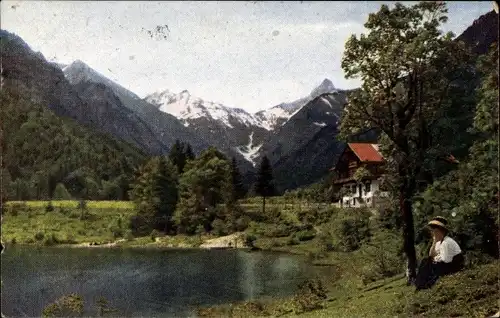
429,272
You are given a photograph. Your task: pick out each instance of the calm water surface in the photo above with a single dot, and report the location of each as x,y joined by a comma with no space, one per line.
143,282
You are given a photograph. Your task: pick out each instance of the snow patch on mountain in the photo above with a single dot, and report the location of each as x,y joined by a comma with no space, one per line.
184,106
283,112
249,151
320,124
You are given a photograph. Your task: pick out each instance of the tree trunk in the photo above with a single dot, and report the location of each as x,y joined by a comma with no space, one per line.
406,192
263,205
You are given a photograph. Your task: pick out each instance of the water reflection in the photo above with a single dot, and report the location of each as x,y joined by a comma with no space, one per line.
144,282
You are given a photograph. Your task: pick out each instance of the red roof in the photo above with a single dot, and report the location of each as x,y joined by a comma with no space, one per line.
366,152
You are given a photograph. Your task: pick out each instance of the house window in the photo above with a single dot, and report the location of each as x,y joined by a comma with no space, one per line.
368,187
353,189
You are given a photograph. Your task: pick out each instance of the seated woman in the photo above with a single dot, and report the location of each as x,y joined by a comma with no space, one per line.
445,256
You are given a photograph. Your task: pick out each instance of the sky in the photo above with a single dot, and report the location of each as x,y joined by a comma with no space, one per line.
246,54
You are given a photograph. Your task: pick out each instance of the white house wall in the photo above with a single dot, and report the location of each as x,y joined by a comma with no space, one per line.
348,200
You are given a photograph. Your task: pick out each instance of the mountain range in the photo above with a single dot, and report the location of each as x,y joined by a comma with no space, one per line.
298,137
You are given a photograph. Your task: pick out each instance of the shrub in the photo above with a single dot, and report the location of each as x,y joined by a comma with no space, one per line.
305,235
13,241
70,239
382,258
15,208
139,226
51,240
129,236
13,211
309,297
351,230
219,228
64,211
49,207
66,306
324,242
317,215
292,241
273,230
250,240
242,223
74,215
154,234
39,236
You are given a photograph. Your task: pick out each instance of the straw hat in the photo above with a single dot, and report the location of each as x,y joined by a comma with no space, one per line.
440,222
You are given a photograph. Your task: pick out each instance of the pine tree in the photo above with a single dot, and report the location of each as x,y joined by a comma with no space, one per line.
205,183
264,186
238,189
177,156
189,154
61,193
155,194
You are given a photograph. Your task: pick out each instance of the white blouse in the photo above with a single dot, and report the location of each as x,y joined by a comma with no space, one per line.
446,250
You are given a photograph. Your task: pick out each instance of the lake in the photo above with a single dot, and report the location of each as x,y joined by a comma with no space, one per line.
146,282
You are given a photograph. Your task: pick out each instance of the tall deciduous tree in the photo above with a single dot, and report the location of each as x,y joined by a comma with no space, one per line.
408,68
265,186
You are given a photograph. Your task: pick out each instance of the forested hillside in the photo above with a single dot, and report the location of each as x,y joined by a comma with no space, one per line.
42,150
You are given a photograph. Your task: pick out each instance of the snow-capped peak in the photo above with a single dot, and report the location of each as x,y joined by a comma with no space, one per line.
279,114
184,106
325,87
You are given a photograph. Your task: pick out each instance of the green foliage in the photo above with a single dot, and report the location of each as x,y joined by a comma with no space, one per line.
50,240
180,154
317,215
49,207
264,185
154,234
219,227
305,235
361,174
350,230
468,197
413,92
249,240
382,256
155,194
39,236
72,305
309,297
205,184
46,150
471,293
66,306
103,308
237,183
61,193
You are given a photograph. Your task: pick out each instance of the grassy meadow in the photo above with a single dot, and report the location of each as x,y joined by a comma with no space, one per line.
64,223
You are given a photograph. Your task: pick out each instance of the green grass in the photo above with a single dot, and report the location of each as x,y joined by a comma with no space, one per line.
74,204
21,223
471,293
